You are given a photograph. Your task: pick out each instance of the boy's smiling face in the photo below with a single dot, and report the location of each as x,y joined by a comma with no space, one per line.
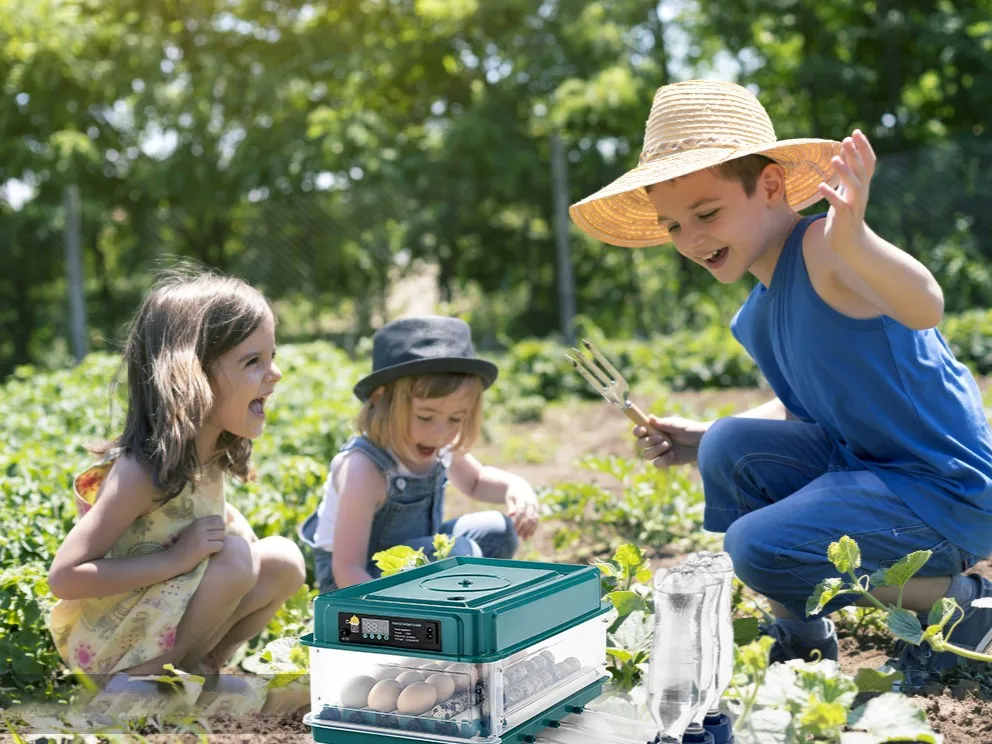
712,221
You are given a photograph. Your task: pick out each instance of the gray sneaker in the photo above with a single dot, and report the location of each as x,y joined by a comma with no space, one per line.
920,664
787,647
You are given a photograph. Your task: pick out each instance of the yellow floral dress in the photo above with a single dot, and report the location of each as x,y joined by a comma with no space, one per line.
104,635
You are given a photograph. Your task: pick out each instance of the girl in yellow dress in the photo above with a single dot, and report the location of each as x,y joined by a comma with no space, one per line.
159,569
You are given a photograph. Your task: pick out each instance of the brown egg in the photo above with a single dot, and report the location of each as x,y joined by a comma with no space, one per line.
416,699
383,696
355,692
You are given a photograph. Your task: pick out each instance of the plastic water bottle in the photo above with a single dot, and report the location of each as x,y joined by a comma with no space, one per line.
676,654
706,571
715,722
720,566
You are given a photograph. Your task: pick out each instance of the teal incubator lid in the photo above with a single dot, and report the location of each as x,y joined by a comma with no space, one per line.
474,610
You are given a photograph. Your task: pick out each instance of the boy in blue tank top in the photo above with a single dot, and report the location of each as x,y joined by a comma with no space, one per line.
876,431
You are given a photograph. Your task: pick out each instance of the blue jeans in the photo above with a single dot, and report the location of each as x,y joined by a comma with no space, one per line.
488,534
781,495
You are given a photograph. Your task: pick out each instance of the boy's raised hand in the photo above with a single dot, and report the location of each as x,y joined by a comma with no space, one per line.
670,441
845,227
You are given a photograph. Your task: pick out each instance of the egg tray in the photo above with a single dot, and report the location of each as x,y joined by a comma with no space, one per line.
523,734
465,714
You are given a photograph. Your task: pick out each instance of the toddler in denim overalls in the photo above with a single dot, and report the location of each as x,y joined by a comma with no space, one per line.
422,410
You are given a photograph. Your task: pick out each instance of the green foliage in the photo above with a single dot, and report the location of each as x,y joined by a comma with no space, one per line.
403,557
901,623
290,144
781,703
48,418
534,372
645,505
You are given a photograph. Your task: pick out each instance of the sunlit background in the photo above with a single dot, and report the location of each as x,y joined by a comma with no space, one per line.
359,160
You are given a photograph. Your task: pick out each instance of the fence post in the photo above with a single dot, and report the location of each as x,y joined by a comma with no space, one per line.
566,281
74,266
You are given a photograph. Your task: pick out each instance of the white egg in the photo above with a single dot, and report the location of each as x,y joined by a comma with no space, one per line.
465,676
410,677
416,699
444,684
355,692
383,696
433,666
386,672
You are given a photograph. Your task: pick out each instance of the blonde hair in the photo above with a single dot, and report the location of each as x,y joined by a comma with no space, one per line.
183,326
387,420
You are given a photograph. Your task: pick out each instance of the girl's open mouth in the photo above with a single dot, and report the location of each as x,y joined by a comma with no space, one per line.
717,258
425,451
257,407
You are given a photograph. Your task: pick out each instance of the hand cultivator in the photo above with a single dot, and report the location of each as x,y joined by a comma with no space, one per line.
607,381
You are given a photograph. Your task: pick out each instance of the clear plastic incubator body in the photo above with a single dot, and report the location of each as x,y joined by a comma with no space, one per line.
462,650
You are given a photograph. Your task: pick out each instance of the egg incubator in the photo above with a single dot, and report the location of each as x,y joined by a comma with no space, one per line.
461,650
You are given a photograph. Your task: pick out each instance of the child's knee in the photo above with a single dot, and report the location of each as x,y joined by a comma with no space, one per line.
236,567
498,539
748,542
716,456
284,564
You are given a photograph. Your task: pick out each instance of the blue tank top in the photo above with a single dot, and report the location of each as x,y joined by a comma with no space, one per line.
895,400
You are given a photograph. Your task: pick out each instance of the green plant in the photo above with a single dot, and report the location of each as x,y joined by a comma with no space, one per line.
798,702
774,704
647,506
903,624
403,557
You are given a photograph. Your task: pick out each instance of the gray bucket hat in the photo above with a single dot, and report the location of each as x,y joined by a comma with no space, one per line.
423,345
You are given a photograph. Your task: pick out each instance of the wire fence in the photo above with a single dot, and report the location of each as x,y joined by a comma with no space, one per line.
324,253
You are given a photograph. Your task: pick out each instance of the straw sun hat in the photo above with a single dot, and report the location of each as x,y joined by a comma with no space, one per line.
695,125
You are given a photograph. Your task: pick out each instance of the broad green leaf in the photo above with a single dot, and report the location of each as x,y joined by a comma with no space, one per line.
942,611
872,680
764,726
745,630
607,569
629,557
635,633
906,568
621,655
878,578
822,718
399,558
893,717
754,656
443,545
844,554
904,625
825,591
627,602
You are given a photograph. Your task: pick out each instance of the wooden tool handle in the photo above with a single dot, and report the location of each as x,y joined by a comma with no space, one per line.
636,415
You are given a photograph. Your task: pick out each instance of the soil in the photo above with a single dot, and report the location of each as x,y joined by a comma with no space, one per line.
546,453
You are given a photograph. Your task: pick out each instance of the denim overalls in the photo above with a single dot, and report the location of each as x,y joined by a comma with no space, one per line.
412,516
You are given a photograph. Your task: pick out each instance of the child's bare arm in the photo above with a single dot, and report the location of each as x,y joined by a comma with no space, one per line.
361,489
236,523
886,277
496,486
80,569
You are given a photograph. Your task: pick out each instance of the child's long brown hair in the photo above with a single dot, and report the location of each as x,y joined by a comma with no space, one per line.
186,322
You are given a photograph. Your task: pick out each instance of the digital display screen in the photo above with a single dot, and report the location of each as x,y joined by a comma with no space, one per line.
375,627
